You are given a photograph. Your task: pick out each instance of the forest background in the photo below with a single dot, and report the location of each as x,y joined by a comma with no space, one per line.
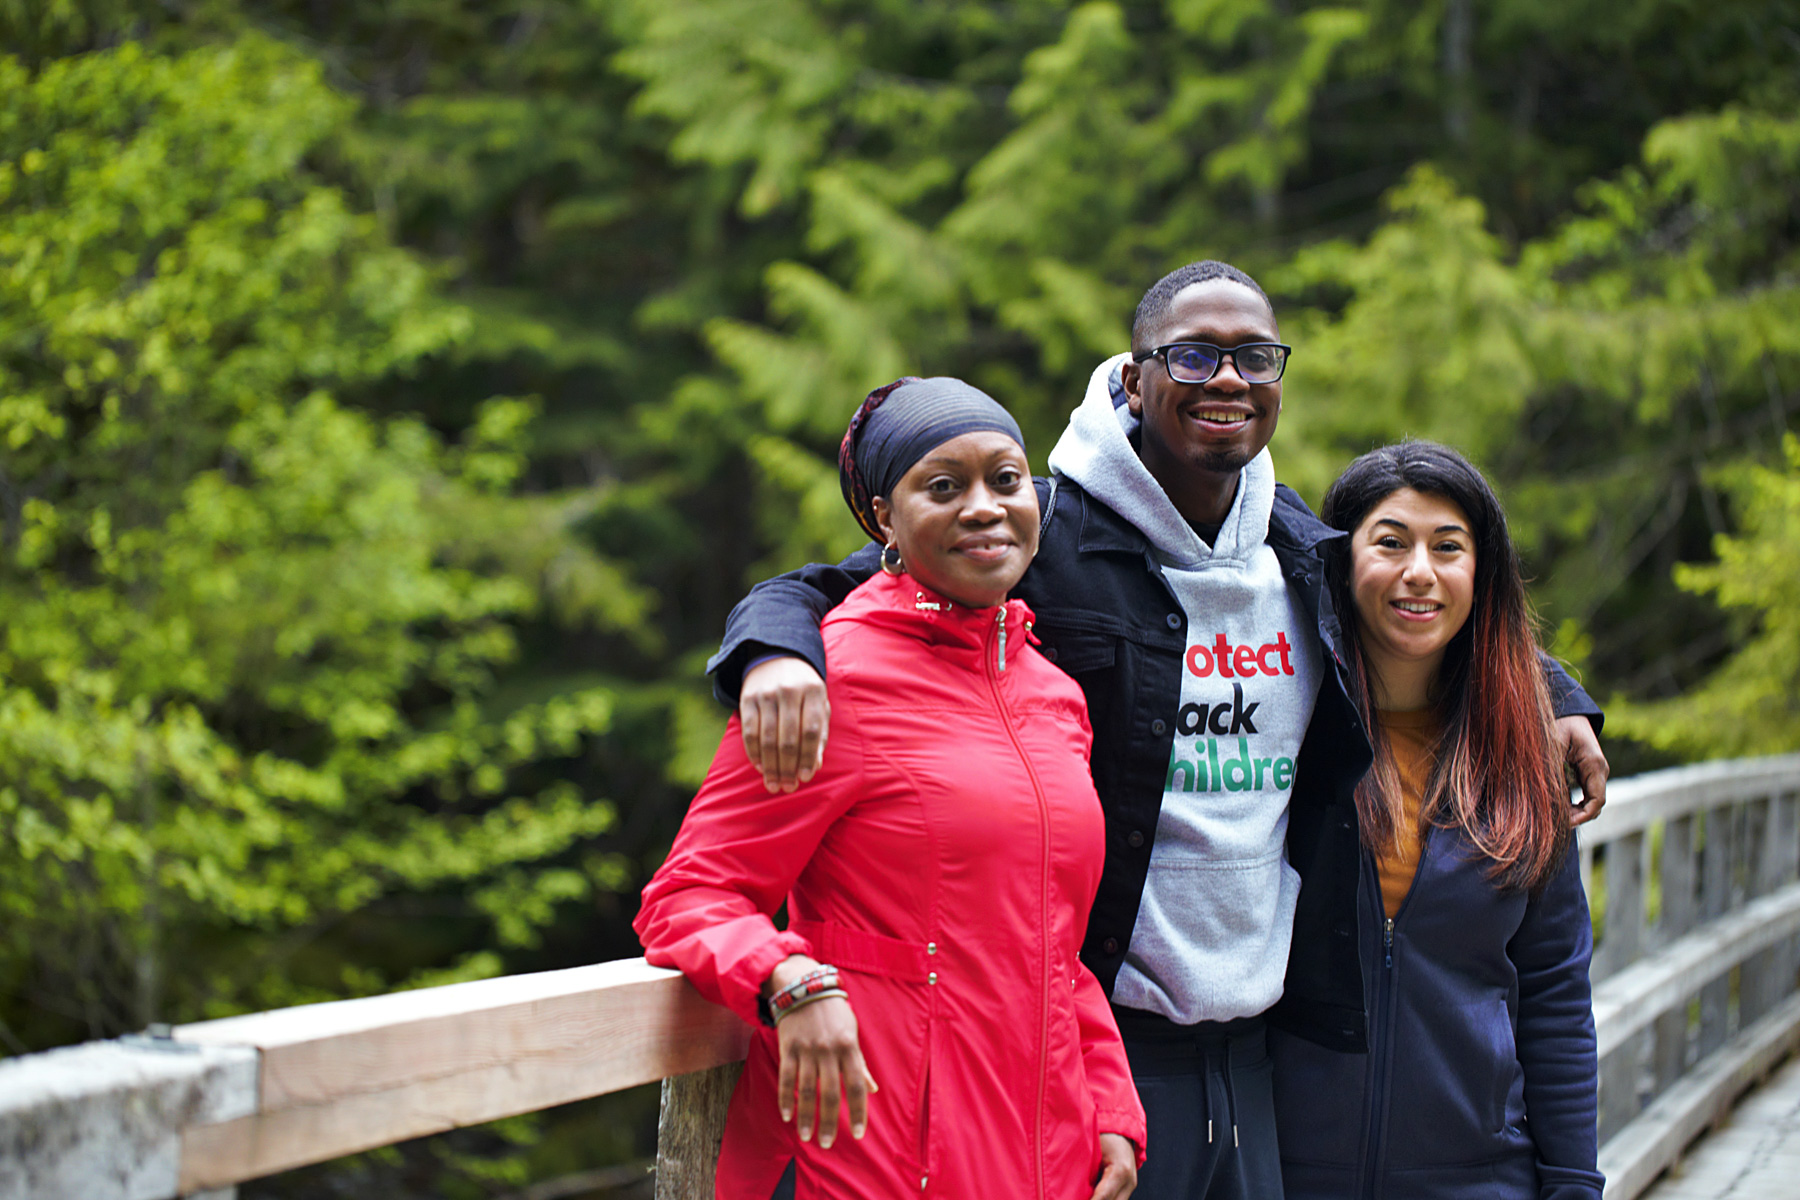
395,398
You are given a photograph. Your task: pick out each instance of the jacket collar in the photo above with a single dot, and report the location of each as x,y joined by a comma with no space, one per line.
1292,526
1102,529
1294,523
902,604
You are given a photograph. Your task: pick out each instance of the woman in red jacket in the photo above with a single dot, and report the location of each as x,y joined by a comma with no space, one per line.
937,868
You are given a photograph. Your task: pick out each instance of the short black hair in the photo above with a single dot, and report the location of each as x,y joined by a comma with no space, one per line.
1155,304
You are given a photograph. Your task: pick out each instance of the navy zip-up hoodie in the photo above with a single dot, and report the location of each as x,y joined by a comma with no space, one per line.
1480,1080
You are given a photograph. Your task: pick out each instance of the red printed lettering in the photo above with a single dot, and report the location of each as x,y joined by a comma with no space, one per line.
1222,655
1241,661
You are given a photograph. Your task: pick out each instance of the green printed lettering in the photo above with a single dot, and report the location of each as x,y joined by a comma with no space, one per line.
1237,770
1212,752
1283,773
1262,764
1175,764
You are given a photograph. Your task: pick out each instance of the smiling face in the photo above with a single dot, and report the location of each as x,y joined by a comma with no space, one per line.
965,518
1196,437
1413,582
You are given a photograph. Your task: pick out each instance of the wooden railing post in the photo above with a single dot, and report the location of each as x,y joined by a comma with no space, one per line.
1786,846
1758,985
1676,877
690,1129
1621,944
1622,938
1715,902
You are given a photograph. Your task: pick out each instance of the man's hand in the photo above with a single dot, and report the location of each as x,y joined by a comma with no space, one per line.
1581,750
822,1074
1118,1168
786,719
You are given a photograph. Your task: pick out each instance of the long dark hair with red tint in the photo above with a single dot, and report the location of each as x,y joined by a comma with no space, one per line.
1496,774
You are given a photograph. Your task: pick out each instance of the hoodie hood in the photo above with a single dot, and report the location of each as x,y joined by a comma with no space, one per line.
1096,452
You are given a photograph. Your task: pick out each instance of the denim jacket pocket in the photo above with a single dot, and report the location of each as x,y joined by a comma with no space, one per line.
1079,652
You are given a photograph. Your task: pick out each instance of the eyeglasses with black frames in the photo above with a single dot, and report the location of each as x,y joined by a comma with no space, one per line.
1197,362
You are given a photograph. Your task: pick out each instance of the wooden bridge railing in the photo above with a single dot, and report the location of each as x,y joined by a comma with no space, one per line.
1693,872
206,1106
1695,869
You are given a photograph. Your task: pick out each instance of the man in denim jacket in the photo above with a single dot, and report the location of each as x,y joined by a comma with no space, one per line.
1181,587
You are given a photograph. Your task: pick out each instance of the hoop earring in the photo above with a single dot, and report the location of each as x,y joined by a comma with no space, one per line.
897,567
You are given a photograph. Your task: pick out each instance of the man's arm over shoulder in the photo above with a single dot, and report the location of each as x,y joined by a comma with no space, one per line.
1568,698
772,665
782,615
1578,721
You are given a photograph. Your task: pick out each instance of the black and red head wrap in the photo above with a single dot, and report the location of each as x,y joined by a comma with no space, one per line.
900,423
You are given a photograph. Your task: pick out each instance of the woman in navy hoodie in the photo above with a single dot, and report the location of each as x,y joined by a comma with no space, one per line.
1480,1079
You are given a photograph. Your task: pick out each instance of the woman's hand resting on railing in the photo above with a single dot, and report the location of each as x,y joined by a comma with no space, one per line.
1118,1168
822,1068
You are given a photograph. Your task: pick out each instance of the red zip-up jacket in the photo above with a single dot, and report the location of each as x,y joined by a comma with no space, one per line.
944,859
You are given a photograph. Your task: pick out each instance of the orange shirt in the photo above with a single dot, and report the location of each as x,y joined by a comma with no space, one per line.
1412,740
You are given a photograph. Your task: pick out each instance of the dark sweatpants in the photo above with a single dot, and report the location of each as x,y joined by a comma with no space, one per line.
1207,1091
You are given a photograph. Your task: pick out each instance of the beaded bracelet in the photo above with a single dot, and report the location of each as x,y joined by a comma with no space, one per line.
817,980
807,999
809,986
799,985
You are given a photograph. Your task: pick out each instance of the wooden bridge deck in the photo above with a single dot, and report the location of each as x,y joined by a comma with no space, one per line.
1754,1155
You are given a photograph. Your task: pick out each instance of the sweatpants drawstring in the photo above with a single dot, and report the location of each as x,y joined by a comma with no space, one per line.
1224,1069
1224,1051
1230,1096
1206,1089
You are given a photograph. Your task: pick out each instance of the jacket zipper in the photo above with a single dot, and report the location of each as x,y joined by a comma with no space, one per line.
1037,791
1381,1054
1378,1019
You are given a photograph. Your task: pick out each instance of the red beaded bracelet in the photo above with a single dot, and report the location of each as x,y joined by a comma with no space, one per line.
809,987
809,998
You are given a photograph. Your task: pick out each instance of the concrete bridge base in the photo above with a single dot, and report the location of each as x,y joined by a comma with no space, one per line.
105,1118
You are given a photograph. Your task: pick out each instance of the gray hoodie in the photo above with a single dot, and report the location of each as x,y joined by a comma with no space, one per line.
1212,932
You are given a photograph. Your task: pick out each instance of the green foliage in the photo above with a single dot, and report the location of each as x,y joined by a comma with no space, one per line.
1602,373
1751,703
1432,341
254,636
395,398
